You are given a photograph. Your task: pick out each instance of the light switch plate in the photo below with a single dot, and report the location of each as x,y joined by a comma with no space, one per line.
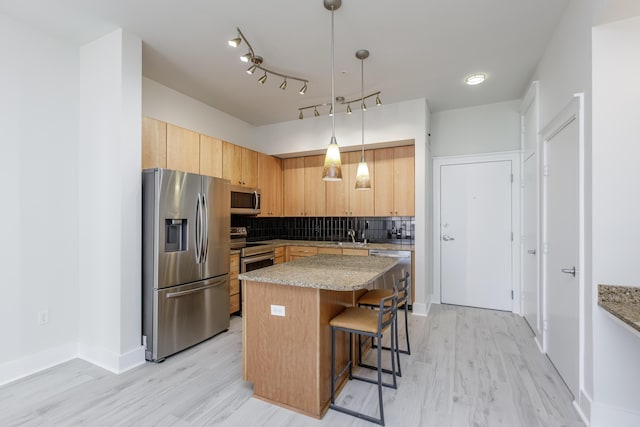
277,310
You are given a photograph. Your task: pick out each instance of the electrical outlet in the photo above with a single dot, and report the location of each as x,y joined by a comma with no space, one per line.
277,310
43,317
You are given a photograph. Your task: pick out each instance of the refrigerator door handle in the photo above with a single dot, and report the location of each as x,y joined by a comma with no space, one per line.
205,234
198,229
193,291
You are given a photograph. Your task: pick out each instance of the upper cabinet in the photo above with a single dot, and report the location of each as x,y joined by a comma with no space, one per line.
342,197
154,143
210,156
270,182
394,181
304,189
183,149
240,165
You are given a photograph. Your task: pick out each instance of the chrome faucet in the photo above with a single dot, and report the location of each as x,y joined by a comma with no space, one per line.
351,233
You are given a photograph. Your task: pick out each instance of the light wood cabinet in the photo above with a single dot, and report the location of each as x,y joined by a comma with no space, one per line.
314,186
270,182
279,255
154,143
297,252
234,283
330,251
342,197
355,252
240,165
183,149
394,181
293,186
210,156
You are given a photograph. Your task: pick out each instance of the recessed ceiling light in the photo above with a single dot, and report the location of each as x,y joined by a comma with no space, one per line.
475,79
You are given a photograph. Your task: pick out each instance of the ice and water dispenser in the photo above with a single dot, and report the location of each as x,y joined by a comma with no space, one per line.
175,235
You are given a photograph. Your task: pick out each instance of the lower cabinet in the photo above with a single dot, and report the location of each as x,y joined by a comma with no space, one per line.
234,283
296,252
279,255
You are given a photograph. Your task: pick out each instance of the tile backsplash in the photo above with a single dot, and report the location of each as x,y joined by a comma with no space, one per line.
374,229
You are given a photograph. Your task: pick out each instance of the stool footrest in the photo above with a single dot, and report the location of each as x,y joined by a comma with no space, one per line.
384,347
356,414
374,368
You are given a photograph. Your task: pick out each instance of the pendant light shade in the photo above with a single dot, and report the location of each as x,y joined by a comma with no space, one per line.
363,180
332,164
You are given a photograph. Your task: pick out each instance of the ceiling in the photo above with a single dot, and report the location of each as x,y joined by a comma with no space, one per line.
418,48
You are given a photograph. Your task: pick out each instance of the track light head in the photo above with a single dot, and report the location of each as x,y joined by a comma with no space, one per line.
364,106
315,112
349,109
301,116
283,85
246,57
252,69
331,111
303,89
378,102
263,78
235,42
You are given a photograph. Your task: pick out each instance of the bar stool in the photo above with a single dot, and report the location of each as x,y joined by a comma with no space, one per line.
363,321
372,299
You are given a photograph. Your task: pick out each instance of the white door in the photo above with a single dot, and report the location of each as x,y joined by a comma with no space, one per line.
475,234
530,298
562,240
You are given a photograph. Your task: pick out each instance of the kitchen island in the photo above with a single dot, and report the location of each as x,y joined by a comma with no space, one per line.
286,333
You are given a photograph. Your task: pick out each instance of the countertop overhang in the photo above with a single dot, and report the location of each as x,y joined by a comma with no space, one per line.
622,302
324,271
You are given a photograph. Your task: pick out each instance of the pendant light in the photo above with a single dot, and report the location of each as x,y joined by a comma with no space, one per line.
332,164
363,180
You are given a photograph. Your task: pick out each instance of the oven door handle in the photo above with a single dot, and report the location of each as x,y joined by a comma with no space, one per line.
253,259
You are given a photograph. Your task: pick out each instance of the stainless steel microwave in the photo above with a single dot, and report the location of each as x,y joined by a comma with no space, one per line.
245,200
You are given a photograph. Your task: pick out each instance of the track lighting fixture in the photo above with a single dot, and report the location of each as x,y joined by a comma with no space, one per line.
301,116
340,100
257,60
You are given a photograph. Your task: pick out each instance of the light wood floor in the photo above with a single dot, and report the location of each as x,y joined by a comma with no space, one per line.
469,367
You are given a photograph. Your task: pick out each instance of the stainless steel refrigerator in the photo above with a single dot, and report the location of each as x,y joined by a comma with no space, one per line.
185,260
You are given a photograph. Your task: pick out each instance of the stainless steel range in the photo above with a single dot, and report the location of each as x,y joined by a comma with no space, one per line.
253,255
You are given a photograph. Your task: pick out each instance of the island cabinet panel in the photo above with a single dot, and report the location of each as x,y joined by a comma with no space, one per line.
154,143
273,345
210,156
183,149
293,184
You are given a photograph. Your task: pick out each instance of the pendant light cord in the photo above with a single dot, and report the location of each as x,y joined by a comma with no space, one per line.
333,97
362,106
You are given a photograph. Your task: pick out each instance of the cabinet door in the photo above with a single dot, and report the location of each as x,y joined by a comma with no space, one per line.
249,175
314,186
338,191
183,149
154,143
232,163
383,182
403,181
293,184
270,182
210,156
361,201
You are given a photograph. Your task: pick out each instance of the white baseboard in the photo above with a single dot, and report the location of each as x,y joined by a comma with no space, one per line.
28,365
419,309
106,359
603,415
583,406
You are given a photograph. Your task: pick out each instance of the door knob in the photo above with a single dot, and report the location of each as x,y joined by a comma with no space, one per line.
571,271
446,237
531,251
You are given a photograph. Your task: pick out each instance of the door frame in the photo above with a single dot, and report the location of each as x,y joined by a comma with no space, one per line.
515,158
573,111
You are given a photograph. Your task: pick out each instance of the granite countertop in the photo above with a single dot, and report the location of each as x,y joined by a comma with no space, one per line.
343,245
331,272
621,301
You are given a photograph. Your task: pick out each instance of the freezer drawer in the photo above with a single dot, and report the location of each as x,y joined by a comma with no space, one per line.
187,315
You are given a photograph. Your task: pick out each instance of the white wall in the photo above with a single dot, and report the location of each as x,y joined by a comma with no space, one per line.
616,224
39,172
163,103
476,130
110,202
565,69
